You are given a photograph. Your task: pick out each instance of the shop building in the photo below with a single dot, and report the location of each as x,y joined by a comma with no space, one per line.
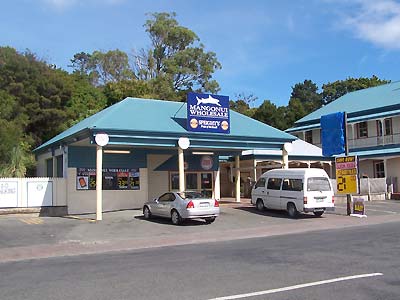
142,158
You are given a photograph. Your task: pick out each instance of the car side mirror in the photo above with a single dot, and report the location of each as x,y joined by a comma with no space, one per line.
155,200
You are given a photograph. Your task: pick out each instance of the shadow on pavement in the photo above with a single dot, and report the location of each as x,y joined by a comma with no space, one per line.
275,213
166,221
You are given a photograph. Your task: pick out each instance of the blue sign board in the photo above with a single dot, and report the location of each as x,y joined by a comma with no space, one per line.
208,113
333,134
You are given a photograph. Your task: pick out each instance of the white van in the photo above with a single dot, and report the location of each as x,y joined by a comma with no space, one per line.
294,190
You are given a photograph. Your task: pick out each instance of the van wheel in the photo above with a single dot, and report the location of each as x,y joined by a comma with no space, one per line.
292,211
260,205
318,213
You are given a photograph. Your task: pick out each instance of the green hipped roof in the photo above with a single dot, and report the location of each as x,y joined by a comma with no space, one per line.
359,104
149,122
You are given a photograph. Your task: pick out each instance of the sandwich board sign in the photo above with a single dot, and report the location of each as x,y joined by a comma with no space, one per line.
358,208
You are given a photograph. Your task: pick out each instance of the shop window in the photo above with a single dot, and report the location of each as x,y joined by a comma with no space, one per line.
60,166
49,167
379,169
113,179
308,136
362,130
174,181
191,181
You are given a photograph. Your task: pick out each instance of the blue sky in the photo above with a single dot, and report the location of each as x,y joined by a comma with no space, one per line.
265,46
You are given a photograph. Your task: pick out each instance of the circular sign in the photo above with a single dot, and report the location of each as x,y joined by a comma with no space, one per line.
194,123
206,162
101,139
224,125
183,143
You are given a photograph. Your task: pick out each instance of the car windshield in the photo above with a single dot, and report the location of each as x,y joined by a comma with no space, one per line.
191,195
318,184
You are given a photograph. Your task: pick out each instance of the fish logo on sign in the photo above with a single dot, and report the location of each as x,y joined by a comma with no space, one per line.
209,100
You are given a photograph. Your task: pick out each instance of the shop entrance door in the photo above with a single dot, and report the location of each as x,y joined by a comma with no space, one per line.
194,181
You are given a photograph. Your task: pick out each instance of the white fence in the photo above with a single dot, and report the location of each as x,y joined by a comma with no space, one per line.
32,192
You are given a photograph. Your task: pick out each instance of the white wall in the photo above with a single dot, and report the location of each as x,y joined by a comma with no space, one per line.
32,192
396,125
84,201
366,167
158,181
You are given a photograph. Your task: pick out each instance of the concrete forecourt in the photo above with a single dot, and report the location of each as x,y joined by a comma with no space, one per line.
27,236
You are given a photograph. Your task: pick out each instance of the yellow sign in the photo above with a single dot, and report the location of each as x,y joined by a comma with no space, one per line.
346,174
346,184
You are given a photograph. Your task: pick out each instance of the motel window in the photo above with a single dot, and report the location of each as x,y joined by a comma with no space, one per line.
388,127
379,169
362,130
308,136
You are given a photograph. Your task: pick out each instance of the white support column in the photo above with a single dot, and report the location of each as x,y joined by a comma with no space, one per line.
353,136
237,178
99,183
285,159
383,134
255,170
217,185
181,162
385,166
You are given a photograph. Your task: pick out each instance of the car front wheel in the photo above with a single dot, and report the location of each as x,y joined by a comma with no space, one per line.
146,213
175,217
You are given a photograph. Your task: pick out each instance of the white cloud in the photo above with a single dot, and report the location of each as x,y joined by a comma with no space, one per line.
377,22
62,5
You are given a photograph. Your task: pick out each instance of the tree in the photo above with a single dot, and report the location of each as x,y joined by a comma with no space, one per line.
334,90
270,114
243,104
37,102
102,67
176,55
307,94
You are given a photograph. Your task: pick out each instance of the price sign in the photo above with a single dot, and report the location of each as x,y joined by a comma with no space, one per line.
346,174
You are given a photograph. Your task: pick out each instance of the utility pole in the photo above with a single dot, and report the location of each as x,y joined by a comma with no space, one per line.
346,145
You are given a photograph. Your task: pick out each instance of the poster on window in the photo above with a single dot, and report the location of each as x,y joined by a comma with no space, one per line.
113,179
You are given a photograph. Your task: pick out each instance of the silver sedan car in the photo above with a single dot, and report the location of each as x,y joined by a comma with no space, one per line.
180,206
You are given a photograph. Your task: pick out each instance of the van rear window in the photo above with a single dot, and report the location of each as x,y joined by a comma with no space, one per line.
318,184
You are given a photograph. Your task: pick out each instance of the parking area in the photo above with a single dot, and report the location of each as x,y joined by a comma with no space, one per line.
129,230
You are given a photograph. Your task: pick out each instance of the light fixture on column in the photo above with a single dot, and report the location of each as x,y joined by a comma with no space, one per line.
183,143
